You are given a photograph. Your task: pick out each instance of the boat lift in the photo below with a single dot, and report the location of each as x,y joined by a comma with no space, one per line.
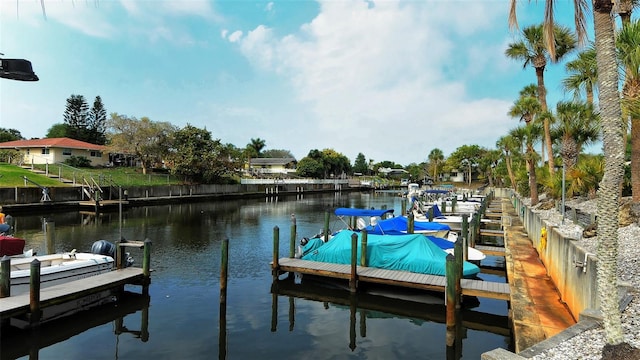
45,190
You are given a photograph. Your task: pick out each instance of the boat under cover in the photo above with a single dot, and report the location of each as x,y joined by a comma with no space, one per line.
363,212
11,246
410,252
398,225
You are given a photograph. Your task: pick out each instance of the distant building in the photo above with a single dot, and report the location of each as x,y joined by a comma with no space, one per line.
272,166
56,150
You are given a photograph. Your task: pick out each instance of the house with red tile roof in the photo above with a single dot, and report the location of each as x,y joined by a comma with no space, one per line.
56,150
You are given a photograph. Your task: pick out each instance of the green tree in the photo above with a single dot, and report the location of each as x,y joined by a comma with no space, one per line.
310,167
576,125
532,50
528,135
197,157
582,74
254,148
360,164
508,145
466,157
436,157
97,123
147,140
9,135
75,117
59,130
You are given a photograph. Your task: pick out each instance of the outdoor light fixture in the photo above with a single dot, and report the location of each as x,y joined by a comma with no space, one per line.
17,69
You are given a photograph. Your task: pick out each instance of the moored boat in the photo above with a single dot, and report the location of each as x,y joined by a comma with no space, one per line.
411,252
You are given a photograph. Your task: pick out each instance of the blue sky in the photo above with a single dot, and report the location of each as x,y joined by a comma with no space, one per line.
392,80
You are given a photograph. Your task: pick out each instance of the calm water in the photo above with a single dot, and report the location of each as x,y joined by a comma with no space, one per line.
183,319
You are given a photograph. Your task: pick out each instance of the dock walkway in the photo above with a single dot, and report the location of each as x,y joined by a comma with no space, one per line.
20,304
537,311
487,289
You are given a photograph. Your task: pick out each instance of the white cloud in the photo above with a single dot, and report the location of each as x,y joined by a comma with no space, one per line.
382,74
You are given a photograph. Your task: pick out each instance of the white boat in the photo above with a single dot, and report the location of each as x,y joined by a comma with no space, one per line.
57,269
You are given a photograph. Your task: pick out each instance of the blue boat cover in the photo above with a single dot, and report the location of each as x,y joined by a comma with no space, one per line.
398,225
362,212
413,252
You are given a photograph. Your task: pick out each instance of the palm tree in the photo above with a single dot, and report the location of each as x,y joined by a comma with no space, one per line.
435,158
526,108
612,139
528,135
508,145
577,125
532,50
628,45
583,74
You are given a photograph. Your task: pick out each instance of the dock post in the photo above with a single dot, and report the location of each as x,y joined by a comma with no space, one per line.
458,254
224,266
353,286
363,248
276,246
292,244
465,226
223,270
444,207
410,224
5,277
430,212
120,254
453,204
476,229
452,293
326,226
34,293
146,265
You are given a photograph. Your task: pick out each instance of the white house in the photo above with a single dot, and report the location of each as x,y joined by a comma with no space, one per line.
55,150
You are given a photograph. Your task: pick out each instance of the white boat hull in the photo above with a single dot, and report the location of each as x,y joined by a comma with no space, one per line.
57,269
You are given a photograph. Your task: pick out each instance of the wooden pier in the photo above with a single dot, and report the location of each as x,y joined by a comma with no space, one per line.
470,287
20,304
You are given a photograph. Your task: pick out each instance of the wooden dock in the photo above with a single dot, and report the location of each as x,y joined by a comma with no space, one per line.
102,204
470,287
20,304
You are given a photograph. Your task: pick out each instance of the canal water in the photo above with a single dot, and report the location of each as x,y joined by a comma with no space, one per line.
183,319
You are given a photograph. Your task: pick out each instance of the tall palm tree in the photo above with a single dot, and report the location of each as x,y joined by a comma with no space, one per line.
576,125
508,145
436,157
532,50
583,74
628,45
612,139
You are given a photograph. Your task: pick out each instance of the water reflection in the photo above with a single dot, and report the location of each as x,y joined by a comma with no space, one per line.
370,306
29,342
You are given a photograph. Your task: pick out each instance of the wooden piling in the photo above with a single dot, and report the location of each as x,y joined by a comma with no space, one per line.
34,294
363,248
5,277
430,212
224,266
453,204
146,261
292,238
453,283
276,245
326,226
410,223
444,207
458,255
354,256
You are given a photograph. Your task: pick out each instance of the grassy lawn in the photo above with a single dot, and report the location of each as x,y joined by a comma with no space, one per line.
11,176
